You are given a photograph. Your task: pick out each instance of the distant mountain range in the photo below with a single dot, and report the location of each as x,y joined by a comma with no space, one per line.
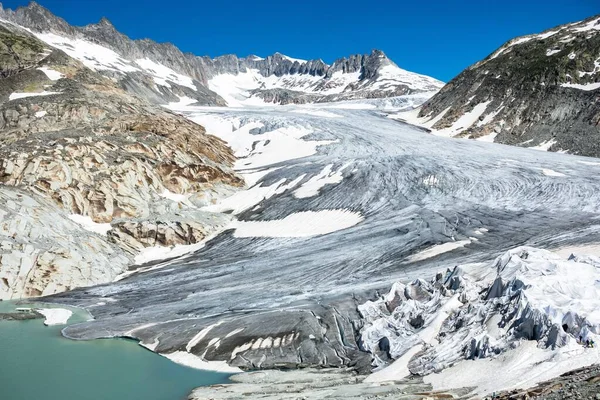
161,73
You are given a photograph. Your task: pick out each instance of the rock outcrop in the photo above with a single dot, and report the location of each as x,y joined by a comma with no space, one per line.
74,137
535,91
43,252
325,384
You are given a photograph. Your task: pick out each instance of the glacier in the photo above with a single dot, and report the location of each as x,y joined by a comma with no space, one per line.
432,214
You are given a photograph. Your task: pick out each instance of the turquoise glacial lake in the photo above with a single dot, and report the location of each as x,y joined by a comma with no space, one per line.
36,362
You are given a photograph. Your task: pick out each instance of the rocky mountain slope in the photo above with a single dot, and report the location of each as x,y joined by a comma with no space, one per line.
73,137
162,73
582,383
539,91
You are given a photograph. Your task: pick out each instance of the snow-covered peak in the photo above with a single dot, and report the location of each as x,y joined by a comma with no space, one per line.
358,76
291,58
162,73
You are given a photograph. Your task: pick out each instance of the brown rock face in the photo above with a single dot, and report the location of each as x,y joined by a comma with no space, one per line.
86,145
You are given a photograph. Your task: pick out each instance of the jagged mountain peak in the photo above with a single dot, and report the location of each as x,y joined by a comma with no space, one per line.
168,74
36,17
35,8
104,23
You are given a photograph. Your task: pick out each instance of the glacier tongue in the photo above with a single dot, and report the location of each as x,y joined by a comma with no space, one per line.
533,295
293,301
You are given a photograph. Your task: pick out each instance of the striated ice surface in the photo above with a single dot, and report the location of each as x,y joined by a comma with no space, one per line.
413,204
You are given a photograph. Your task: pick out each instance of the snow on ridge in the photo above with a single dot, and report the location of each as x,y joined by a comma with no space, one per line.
237,89
592,25
98,58
393,74
16,95
586,87
293,59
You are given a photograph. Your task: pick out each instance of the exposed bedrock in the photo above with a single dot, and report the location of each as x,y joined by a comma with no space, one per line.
73,137
537,90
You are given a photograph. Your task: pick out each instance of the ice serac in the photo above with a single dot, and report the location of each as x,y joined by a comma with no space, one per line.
161,73
528,294
538,91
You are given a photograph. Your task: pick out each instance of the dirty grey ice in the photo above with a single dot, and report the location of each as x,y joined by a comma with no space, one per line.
276,302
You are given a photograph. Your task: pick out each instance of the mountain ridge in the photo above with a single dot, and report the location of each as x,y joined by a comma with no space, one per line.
363,84
538,90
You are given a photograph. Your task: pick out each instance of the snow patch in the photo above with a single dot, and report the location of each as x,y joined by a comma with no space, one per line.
16,95
487,138
88,224
92,55
551,52
52,74
260,150
55,316
162,74
326,177
545,146
549,172
437,250
182,103
465,121
193,361
587,87
156,253
301,224
244,200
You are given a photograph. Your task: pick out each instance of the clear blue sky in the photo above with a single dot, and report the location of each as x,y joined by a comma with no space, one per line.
434,37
